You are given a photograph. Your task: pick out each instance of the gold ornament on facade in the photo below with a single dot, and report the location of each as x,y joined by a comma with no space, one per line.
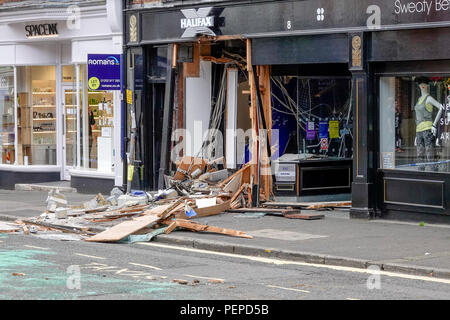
356,51
133,29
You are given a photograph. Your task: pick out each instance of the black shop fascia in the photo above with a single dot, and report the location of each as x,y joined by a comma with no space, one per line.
350,74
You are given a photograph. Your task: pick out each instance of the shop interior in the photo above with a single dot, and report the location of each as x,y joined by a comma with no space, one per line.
307,117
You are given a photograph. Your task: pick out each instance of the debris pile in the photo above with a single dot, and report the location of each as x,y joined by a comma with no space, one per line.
197,189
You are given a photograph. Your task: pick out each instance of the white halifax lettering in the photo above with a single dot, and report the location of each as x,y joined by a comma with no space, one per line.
197,22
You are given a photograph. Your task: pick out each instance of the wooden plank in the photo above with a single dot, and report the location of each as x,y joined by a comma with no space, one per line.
165,210
268,210
329,205
308,204
303,216
201,227
171,227
238,192
124,229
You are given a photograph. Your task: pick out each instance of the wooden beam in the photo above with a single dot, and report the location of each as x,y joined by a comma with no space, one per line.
201,227
206,38
253,113
266,170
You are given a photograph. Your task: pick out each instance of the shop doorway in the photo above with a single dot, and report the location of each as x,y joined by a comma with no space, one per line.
69,130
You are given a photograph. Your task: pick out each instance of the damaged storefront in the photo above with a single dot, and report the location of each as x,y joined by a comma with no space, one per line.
302,98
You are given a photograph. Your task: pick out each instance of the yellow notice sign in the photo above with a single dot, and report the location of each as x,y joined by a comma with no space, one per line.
130,172
129,96
333,128
93,83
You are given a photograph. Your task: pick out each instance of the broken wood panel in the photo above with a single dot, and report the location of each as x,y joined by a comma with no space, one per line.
192,69
187,165
203,212
245,175
234,184
213,210
124,229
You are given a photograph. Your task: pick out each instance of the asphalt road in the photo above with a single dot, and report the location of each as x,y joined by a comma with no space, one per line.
55,269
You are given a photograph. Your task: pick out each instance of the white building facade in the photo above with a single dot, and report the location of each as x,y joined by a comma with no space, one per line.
53,126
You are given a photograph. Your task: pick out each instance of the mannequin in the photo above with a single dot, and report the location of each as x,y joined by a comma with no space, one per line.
426,128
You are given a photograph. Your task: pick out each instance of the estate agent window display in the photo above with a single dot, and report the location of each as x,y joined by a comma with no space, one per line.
414,123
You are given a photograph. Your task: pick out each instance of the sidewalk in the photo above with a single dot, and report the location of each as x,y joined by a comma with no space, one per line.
334,240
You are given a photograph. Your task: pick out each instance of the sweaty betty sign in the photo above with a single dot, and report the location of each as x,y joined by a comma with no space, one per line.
421,7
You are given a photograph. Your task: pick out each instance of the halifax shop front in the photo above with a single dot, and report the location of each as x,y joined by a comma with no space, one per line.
357,94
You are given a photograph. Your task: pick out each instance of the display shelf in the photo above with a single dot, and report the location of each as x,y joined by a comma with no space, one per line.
44,119
44,93
44,106
44,132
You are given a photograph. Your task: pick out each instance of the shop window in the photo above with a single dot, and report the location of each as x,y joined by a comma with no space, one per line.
157,68
313,117
36,87
7,115
97,128
414,123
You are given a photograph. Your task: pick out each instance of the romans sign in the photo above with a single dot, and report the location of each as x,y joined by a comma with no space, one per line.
104,71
